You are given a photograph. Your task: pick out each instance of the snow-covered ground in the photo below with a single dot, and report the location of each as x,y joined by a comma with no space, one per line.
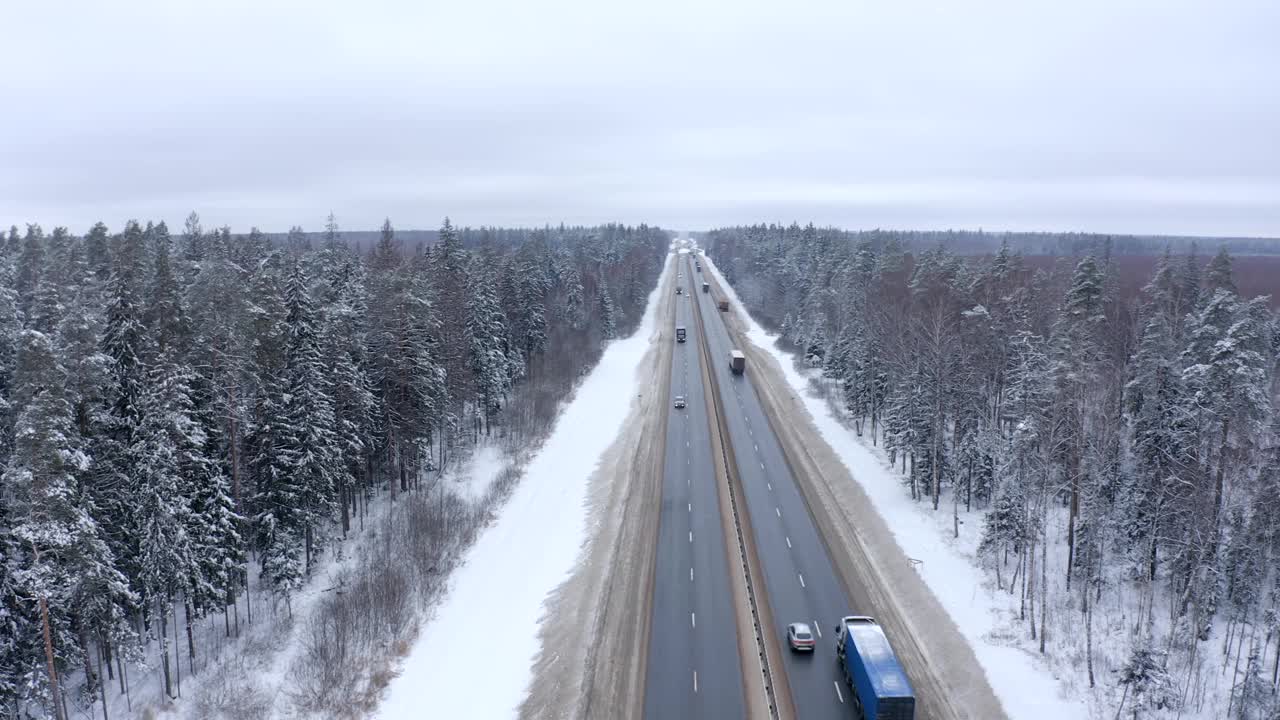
253,666
473,658
1024,684
473,480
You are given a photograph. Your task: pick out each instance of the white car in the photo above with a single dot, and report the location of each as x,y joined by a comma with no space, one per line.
800,637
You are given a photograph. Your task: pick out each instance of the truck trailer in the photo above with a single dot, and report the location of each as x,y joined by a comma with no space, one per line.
679,333
723,305
881,690
737,362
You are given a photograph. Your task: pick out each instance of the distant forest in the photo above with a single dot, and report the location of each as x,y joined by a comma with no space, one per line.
977,242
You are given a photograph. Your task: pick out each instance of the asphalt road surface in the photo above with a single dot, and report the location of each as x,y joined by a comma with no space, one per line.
693,669
799,576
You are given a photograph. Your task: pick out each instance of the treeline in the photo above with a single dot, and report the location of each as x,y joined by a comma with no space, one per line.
1067,244
1125,445
175,409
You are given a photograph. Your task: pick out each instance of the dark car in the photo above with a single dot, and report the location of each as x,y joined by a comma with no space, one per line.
679,402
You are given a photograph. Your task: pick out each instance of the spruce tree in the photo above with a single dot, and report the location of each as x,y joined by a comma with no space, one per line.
310,446
30,266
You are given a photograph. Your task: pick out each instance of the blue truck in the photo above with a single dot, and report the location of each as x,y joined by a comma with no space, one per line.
881,690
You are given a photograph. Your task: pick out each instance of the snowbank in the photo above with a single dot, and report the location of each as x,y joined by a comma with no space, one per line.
473,659
1021,681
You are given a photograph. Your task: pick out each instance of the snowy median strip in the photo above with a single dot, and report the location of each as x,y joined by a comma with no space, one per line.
1025,687
474,657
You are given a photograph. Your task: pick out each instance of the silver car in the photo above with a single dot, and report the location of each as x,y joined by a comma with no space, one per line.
679,402
800,637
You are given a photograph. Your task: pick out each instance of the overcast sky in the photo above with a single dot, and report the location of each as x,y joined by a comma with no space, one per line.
1098,115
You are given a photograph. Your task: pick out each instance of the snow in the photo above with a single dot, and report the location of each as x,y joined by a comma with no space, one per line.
1022,682
477,475
474,658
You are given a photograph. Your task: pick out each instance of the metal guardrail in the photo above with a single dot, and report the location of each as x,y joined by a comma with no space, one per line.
730,477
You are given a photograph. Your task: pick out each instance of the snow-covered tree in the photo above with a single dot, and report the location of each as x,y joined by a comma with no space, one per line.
64,563
311,446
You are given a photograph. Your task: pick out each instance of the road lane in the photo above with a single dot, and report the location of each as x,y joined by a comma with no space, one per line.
693,669
799,576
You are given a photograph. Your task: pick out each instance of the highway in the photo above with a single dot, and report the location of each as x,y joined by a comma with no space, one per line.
799,577
693,668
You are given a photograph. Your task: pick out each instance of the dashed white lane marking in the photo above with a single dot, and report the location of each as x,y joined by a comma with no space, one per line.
695,684
770,486
801,579
757,447
816,628
761,466
778,510
693,619
690,536
838,693
788,542
690,507
690,574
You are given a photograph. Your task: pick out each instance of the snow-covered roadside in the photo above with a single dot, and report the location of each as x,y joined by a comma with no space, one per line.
474,658
248,671
1023,683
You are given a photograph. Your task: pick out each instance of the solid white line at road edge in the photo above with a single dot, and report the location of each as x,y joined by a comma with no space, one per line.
801,579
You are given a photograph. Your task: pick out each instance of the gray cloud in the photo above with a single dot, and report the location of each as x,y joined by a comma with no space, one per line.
1142,116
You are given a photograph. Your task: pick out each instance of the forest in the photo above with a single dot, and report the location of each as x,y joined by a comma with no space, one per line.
1120,451
180,413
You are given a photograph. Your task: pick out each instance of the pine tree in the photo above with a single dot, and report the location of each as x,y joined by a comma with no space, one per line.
65,564
1229,377
1218,275
276,506
310,446
487,346
1157,406
528,306
343,345
608,319
19,624
215,531
10,328
97,245
1076,358
160,458
165,316
453,288
1145,678
30,265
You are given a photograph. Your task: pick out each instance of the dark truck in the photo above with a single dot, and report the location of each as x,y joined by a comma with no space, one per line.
881,690
679,333
706,287
723,305
737,362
